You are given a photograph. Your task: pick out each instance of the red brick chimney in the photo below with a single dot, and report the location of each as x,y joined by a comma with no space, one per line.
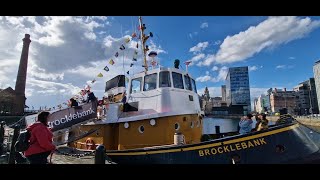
22,76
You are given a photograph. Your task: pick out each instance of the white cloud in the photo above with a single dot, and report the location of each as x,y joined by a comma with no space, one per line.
221,75
253,68
284,66
215,68
204,25
292,58
196,58
268,34
217,42
199,47
64,54
52,88
191,35
205,78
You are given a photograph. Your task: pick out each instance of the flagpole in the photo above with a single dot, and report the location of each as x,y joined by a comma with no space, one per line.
143,43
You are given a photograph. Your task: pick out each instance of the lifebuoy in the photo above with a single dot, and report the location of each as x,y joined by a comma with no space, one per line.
90,144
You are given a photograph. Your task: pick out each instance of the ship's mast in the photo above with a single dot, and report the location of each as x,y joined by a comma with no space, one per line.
144,51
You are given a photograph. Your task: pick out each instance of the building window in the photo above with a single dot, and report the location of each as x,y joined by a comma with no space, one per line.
187,82
164,79
150,82
177,80
136,85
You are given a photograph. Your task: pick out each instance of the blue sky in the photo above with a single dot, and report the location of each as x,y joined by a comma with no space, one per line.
66,53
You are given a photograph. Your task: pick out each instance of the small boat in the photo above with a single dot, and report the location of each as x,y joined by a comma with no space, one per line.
161,123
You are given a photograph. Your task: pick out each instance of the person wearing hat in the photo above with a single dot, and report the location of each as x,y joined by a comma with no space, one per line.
245,124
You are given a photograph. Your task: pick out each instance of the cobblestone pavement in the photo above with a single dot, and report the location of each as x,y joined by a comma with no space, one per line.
63,159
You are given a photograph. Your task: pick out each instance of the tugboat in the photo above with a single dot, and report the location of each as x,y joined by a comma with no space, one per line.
160,122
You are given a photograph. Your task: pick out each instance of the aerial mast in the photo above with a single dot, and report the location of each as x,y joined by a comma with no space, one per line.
143,38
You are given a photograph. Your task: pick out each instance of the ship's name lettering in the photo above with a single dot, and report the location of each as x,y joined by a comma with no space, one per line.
232,147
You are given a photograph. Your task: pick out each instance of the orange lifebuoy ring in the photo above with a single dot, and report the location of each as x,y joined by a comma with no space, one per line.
90,144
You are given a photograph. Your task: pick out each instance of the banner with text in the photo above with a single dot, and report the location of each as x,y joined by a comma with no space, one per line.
68,117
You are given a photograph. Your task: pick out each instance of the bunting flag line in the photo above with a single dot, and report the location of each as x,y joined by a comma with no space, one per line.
117,54
100,75
135,52
111,62
134,35
134,59
127,72
122,47
150,34
106,68
93,81
137,46
131,64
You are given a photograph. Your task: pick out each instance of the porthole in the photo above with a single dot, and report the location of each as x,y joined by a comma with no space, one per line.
191,124
198,123
126,125
280,148
152,122
176,126
141,129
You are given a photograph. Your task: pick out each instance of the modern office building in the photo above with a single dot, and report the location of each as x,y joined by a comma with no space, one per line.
238,89
316,74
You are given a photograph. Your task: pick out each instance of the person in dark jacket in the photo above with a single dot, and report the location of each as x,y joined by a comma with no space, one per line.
91,96
41,145
74,103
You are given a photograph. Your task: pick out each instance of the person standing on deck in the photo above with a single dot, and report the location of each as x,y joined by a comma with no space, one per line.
91,96
245,124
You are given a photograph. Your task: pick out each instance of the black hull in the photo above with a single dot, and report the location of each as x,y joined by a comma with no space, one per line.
290,143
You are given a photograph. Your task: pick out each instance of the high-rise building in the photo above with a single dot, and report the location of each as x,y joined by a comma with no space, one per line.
223,93
316,74
306,101
237,88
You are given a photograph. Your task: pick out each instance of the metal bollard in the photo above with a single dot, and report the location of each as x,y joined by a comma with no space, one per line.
100,155
12,155
218,131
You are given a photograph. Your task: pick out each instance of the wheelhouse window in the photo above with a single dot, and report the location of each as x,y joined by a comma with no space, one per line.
136,85
177,80
164,79
187,82
150,82
194,87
